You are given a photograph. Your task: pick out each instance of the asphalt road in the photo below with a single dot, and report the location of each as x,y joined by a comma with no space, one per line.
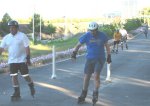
130,84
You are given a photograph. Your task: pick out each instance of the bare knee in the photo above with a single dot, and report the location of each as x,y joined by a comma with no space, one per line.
97,78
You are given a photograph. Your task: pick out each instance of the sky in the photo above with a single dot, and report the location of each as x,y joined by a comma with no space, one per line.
68,8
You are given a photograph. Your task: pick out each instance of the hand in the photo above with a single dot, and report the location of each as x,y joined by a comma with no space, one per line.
109,58
28,62
73,55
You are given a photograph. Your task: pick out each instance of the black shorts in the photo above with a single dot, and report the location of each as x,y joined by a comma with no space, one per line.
116,42
18,67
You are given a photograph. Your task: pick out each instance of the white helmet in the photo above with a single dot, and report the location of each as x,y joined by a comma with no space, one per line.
92,26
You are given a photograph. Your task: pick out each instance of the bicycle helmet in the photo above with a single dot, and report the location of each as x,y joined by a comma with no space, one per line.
93,26
13,23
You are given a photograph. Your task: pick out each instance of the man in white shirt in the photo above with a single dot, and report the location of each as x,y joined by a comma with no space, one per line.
17,44
124,37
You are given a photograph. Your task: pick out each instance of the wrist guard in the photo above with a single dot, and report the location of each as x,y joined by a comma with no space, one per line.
28,57
109,58
74,53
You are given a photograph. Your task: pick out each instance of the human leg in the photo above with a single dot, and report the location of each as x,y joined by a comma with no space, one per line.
122,45
86,79
114,46
146,34
25,74
117,44
16,87
30,84
97,70
15,83
96,81
125,42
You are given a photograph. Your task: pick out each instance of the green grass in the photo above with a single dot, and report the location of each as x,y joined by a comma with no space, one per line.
64,44
39,49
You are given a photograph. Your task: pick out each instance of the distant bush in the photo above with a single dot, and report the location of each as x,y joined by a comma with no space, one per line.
4,24
108,29
132,24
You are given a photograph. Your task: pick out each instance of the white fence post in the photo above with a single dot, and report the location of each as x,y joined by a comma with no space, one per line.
108,72
53,63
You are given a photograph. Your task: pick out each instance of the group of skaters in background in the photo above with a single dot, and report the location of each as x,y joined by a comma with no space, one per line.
120,36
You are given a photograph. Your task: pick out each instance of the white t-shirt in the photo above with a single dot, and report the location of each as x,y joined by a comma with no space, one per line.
16,47
123,32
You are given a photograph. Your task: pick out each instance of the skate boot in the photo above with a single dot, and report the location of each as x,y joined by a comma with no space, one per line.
113,50
116,51
16,95
95,97
82,97
31,85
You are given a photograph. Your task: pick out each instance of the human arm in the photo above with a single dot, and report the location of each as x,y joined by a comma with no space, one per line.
126,34
82,40
27,49
76,48
108,52
28,55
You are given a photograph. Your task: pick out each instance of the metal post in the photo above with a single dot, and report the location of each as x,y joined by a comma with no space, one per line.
33,29
40,28
66,26
53,64
108,72
33,36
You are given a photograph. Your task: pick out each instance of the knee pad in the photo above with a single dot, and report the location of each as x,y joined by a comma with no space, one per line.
25,75
14,74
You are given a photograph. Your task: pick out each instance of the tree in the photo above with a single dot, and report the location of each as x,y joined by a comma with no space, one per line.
50,29
37,23
4,24
145,13
36,26
132,24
